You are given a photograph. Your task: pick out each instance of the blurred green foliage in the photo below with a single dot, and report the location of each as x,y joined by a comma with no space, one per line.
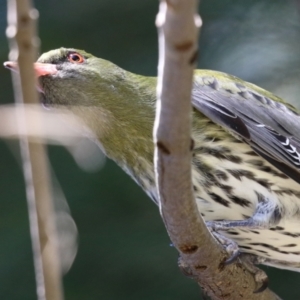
124,251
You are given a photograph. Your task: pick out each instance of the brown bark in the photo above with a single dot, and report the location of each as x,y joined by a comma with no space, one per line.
201,256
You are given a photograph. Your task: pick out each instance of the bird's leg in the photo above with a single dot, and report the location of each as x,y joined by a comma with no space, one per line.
266,215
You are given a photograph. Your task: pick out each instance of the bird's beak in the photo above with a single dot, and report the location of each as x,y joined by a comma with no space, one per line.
40,69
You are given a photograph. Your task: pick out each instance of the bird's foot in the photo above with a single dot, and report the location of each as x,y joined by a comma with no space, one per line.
250,261
229,245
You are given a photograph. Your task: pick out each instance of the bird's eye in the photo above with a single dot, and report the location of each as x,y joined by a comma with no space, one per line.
75,58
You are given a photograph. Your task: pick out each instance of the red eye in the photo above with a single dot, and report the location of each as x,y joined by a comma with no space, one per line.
75,58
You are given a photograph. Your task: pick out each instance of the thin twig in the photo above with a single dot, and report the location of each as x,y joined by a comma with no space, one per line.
201,257
21,32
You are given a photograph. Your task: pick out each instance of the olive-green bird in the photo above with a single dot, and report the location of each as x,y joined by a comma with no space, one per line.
246,161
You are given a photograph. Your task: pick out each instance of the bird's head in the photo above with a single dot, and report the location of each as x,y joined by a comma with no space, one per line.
73,77
118,105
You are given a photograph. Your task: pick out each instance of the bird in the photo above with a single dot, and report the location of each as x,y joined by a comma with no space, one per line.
246,157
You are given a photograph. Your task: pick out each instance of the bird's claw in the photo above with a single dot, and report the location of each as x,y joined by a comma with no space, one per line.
249,262
229,245
264,284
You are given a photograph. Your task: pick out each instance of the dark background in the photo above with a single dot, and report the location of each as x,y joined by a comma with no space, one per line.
124,251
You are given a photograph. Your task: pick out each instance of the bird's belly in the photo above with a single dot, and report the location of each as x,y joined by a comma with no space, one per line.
236,198
226,190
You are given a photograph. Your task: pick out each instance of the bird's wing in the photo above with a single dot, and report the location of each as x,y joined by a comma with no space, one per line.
270,126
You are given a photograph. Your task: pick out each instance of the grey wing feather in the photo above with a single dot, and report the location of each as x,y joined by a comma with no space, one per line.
271,128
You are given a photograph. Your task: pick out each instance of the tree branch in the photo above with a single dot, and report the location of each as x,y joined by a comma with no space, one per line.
21,32
201,256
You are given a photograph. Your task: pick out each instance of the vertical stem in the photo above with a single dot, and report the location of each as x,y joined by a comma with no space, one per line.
21,32
201,256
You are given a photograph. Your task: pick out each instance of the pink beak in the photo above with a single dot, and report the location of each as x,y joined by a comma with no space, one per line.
41,69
